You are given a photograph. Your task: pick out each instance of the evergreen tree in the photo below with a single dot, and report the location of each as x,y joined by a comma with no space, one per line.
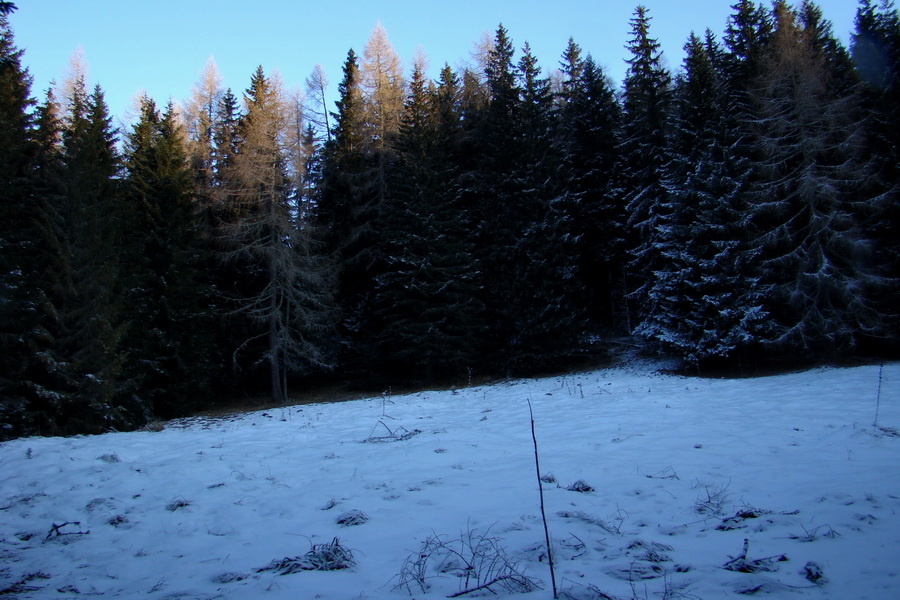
588,124
166,300
18,237
522,209
644,157
875,48
489,193
708,301
87,357
811,249
347,212
746,38
547,322
424,304
49,269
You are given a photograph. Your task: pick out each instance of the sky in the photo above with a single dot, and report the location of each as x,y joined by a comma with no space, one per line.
161,47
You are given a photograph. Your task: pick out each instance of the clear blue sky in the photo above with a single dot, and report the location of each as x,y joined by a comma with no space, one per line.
161,46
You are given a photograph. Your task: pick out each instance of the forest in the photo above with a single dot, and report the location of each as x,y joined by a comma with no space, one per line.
498,221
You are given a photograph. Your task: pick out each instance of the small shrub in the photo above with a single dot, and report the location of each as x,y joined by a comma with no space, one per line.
321,557
351,518
580,486
712,501
177,504
478,561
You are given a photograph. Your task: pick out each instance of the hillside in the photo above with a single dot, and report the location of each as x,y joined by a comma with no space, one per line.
699,488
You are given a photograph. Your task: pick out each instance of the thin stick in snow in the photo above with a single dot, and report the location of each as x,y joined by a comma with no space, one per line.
537,467
878,396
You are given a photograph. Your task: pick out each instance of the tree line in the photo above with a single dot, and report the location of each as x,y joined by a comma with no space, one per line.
496,220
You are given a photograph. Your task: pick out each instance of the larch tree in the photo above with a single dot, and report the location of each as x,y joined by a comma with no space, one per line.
287,302
199,117
317,113
382,85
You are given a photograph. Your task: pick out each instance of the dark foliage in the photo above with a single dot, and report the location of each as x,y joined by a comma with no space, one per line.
745,208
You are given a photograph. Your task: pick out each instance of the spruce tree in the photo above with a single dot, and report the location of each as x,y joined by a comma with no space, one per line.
588,121
547,323
709,304
87,352
522,209
424,303
643,160
347,214
811,248
167,302
875,49
489,191
18,237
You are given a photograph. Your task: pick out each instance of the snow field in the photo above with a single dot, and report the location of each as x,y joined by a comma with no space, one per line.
683,470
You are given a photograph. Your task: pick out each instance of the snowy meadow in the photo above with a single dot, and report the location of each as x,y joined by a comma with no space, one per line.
654,486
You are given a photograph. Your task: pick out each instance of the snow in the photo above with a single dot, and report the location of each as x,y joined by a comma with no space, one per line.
683,471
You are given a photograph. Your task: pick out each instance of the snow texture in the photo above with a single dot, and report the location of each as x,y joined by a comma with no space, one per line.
701,488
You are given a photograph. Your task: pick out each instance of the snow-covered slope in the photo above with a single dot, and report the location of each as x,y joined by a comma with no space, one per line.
695,481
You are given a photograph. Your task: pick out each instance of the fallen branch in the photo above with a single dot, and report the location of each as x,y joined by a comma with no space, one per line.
742,564
484,586
55,530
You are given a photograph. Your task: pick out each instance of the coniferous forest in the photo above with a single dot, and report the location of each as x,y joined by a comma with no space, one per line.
499,220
